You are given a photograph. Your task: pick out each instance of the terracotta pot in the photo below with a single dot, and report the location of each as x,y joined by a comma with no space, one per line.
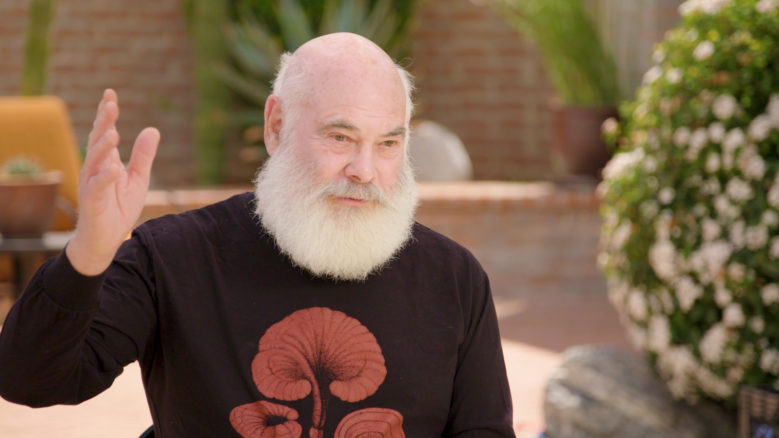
27,206
578,147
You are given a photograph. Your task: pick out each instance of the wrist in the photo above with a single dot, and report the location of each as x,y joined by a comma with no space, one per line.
84,260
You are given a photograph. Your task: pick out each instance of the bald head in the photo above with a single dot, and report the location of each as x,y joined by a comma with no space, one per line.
336,62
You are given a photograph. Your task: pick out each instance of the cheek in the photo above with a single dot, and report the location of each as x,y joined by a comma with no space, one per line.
388,172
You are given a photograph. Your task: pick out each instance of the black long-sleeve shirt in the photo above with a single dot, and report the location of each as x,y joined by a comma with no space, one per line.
234,339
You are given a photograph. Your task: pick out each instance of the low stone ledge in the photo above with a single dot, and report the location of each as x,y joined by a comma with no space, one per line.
460,197
606,392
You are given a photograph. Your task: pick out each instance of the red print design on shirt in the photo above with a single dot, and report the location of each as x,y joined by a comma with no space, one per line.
264,418
322,352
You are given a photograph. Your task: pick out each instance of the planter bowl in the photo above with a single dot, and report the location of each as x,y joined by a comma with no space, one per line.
27,206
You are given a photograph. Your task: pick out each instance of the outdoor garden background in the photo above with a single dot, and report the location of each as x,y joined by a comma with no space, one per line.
534,227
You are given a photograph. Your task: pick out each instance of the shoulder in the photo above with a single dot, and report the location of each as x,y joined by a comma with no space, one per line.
215,221
442,250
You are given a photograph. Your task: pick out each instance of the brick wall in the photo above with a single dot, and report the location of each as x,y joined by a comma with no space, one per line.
140,49
478,77
475,74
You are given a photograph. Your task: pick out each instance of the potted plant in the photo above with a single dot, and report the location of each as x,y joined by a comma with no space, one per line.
28,196
582,71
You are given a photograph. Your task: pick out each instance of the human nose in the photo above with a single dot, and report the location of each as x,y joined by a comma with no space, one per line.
360,168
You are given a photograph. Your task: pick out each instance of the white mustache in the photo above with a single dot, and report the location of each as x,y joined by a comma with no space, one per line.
348,189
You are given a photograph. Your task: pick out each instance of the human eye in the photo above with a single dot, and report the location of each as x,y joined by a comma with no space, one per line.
339,138
389,143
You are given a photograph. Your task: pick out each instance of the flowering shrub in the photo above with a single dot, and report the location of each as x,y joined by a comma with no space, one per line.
691,202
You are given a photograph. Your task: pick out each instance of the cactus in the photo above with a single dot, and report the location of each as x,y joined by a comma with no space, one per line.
36,47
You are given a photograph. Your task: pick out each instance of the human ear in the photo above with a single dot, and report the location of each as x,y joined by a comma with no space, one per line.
272,129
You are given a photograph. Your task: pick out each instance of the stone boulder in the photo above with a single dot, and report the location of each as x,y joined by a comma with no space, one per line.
438,154
600,392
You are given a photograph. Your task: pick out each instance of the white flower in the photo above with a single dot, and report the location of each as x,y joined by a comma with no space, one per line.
609,126
725,106
710,259
770,218
703,50
757,324
773,195
658,56
676,364
722,297
756,237
620,236
659,336
733,316
650,164
681,136
662,258
769,361
711,187
770,294
636,305
737,235
766,6
652,74
739,190
649,209
674,75
751,163
716,132
666,195
712,384
725,208
698,140
711,229
712,163
737,271
622,163
713,342
760,127
773,110
687,291
734,139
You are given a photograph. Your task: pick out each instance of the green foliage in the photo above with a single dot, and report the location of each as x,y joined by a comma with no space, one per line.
36,47
263,30
581,69
207,20
691,202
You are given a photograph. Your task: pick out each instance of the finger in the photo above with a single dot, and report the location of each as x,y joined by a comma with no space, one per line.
105,120
109,95
96,156
144,150
99,182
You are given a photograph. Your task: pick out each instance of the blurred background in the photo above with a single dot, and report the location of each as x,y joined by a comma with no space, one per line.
501,108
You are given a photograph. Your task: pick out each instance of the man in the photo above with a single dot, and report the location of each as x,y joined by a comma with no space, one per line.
314,306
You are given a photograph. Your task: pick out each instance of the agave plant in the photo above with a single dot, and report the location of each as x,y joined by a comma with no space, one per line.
255,49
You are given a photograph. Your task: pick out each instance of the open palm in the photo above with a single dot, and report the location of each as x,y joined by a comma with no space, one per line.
111,196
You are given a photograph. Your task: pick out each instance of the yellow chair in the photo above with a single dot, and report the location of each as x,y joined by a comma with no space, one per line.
38,127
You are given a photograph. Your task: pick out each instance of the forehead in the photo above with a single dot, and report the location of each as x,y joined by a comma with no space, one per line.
358,100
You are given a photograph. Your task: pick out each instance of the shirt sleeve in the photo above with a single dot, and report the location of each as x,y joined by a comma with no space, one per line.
481,400
69,336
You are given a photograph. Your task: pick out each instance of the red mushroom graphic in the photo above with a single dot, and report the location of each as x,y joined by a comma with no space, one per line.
318,351
371,423
265,419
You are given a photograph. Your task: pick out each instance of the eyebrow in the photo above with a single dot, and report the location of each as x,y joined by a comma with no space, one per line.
343,124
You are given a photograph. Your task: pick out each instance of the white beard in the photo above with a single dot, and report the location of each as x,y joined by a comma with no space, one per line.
328,239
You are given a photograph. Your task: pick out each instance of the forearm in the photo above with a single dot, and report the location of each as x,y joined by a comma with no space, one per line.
43,338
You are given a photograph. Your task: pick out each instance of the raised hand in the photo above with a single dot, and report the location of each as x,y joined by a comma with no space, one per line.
111,197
